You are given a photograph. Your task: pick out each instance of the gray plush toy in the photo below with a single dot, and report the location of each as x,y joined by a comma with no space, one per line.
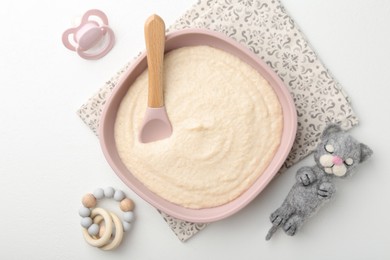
336,156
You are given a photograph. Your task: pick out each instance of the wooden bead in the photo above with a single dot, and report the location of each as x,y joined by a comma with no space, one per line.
89,201
126,205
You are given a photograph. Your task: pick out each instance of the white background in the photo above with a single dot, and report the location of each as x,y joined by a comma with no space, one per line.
49,158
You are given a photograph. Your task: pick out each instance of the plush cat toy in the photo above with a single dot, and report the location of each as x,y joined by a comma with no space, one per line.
336,156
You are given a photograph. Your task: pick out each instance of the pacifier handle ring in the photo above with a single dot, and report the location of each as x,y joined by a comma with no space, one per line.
65,39
97,13
111,42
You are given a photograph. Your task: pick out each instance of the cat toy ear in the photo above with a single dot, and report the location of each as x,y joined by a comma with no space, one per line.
365,152
330,129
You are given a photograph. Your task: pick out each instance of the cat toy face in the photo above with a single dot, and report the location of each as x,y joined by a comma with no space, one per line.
338,153
336,157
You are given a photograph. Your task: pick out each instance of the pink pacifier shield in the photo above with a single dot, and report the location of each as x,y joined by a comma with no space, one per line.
86,38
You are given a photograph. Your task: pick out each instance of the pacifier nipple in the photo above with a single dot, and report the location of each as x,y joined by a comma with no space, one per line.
92,38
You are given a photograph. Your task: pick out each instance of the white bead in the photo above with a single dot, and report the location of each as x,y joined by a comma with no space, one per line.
84,212
126,226
119,195
86,222
93,230
109,192
98,193
128,216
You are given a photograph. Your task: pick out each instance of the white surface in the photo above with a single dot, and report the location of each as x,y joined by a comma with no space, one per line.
49,159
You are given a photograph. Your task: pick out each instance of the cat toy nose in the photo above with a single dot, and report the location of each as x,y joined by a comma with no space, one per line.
337,160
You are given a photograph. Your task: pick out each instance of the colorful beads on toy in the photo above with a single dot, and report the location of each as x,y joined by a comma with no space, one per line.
86,222
126,205
119,195
89,201
84,212
98,193
126,226
128,216
109,192
102,228
93,230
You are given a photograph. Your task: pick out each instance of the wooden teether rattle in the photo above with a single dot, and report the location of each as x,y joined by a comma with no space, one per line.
85,37
110,235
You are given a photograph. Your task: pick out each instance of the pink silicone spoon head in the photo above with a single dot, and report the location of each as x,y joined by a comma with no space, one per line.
156,125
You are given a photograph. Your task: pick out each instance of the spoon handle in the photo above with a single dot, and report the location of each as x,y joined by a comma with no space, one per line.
155,44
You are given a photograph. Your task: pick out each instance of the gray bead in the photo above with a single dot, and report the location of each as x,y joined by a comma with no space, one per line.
93,230
86,222
128,216
84,212
109,192
126,226
98,193
119,195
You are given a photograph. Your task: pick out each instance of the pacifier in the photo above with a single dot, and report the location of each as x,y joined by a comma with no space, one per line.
93,38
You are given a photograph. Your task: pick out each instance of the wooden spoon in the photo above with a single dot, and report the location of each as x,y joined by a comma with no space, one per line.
156,125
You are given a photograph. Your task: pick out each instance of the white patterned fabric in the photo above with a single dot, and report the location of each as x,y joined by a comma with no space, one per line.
266,29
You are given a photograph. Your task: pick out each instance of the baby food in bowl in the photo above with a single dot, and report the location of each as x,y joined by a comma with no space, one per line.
234,123
227,125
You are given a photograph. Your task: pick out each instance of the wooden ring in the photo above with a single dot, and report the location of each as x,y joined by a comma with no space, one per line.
103,240
118,232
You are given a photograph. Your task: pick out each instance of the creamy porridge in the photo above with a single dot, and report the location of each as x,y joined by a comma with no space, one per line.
227,125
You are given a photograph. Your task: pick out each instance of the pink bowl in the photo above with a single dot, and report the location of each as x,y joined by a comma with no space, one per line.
193,37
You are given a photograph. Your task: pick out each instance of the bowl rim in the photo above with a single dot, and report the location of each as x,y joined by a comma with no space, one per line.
204,215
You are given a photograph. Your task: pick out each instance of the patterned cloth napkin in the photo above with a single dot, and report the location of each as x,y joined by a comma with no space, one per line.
266,29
